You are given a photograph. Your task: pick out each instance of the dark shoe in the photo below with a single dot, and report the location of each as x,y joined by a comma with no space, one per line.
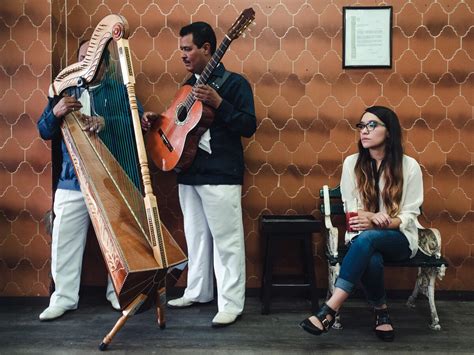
324,311
382,317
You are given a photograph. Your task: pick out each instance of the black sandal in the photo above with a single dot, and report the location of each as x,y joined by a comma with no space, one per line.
382,317
321,315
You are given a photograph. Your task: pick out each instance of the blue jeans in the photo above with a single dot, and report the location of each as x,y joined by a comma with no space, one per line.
364,261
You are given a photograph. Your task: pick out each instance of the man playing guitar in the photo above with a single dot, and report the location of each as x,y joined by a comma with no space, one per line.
210,189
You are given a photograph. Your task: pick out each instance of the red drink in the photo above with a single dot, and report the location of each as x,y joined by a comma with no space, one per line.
349,215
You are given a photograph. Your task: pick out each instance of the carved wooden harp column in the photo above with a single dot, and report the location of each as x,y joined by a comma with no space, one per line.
136,246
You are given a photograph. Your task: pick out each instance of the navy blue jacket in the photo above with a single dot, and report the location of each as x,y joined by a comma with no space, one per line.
49,127
234,118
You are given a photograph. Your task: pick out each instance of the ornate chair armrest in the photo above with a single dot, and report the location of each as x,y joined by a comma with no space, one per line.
429,241
332,241
332,233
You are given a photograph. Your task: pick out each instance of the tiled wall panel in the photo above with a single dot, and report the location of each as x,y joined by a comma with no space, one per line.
25,162
306,109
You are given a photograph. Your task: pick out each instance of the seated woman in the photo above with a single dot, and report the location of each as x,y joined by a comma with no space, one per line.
389,189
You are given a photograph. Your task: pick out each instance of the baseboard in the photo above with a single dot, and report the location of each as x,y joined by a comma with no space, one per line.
441,295
96,295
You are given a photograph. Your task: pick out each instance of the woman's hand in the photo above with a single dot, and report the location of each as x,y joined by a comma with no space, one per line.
361,222
369,220
381,220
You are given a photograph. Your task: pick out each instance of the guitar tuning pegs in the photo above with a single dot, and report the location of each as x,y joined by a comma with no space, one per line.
243,35
254,24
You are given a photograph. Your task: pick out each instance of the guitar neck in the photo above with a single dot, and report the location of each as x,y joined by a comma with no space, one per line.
242,22
215,60
209,68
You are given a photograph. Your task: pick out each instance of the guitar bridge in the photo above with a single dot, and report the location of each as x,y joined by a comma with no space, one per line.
165,140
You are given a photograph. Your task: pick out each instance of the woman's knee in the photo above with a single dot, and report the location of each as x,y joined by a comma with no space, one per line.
364,238
368,236
371,233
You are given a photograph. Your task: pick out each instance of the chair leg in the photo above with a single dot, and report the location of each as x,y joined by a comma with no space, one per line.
333,274
425,283
412,299
310,277
431,273
267,277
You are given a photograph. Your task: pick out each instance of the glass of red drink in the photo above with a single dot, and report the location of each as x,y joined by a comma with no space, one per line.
350,208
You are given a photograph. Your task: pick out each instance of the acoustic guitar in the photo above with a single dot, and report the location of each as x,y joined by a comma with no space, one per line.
173,139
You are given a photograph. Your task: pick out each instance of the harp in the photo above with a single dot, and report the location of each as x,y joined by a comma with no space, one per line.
113,173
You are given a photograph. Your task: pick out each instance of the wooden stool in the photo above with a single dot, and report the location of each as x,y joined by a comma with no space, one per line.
288,227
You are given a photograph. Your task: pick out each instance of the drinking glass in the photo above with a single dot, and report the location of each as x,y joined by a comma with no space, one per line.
350,208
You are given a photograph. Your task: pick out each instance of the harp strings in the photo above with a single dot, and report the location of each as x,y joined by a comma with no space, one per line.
118,136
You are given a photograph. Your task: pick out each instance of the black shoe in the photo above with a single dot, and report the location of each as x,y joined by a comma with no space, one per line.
382,317
325,310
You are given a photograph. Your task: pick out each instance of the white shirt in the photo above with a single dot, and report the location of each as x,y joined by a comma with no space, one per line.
85,100
205,140
412,196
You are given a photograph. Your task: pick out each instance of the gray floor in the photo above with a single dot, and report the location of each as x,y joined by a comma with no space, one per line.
188,331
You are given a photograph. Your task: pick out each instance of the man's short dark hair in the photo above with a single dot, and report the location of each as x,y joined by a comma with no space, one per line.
202,32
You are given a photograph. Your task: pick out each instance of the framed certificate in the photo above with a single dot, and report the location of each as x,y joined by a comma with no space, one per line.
367,37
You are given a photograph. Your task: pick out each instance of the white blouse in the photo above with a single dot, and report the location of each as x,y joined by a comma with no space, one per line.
412,196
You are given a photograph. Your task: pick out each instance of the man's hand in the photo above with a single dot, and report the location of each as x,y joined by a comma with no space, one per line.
93,124
147,120
207,95
65,106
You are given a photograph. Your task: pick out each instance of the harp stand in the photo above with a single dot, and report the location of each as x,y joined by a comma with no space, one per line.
131,309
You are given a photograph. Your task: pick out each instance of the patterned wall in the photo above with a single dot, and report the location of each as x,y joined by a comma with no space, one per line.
306,108
25,160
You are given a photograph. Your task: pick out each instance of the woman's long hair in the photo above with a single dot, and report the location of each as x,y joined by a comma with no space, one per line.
392,168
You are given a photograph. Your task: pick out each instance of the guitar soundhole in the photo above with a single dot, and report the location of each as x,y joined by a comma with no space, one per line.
181,114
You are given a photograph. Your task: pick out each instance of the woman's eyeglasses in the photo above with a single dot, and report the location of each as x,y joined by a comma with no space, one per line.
369,126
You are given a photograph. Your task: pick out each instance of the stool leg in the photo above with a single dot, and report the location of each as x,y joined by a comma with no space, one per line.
267,276
309,261
304,246
264,271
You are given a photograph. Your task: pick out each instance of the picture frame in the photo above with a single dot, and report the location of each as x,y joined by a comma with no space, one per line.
367,37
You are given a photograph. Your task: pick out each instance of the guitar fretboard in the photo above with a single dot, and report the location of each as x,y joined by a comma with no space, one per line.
206,73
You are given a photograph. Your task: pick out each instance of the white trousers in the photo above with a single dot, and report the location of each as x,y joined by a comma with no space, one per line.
69,240
215,237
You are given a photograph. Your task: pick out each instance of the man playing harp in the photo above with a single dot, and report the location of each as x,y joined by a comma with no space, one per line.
71,216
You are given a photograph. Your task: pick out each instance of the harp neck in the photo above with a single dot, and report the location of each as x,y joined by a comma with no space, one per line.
82,73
